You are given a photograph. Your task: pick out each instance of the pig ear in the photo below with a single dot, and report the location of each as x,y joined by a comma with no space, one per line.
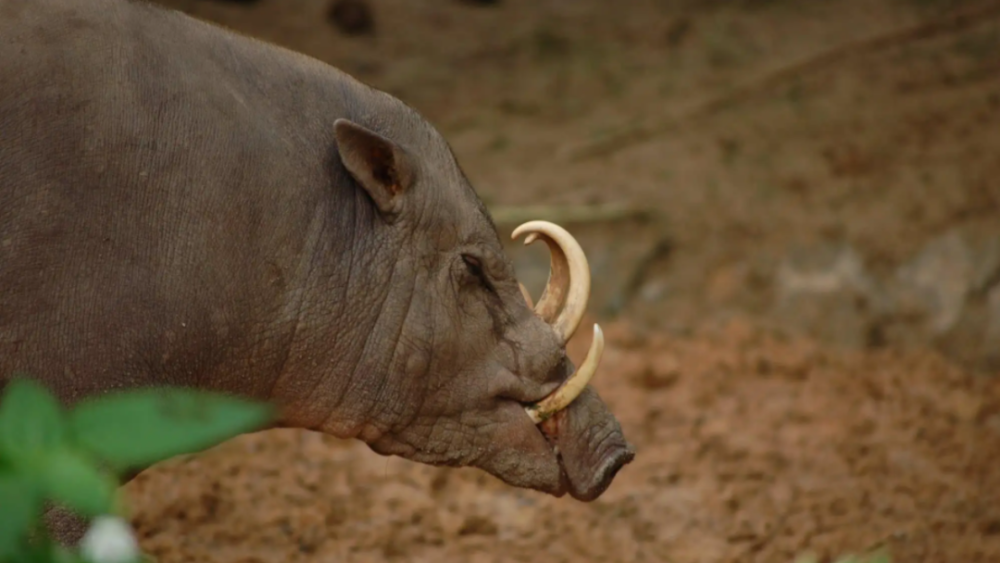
383,168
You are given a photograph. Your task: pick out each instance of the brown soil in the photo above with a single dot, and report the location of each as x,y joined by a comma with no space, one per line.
750,448
752,445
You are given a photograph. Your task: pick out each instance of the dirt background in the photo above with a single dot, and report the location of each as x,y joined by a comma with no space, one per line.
799,277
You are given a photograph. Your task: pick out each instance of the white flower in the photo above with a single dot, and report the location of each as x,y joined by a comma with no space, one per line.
109,540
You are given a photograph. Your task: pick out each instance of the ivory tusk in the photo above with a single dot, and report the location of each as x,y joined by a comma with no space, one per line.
526,295
571,389
564,301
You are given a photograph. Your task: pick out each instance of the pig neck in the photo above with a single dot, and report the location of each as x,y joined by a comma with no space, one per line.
337,374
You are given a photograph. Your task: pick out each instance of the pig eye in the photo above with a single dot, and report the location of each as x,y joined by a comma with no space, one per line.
475,267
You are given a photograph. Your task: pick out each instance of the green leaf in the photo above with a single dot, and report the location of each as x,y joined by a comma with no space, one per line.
61,554
70,479
20,504
46,551
31,420
135,429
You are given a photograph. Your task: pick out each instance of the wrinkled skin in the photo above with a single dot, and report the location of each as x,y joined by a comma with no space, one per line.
180,205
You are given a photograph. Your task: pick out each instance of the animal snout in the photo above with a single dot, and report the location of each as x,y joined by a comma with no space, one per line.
533,381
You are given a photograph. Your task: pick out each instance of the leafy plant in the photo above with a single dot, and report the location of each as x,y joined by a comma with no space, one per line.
76,457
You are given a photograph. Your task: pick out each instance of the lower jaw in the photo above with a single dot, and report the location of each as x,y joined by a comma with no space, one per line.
550,430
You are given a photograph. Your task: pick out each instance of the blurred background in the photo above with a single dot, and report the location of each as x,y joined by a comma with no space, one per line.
792,213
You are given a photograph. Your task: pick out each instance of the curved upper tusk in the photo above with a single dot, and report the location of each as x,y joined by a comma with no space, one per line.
571,389
564,301
525,294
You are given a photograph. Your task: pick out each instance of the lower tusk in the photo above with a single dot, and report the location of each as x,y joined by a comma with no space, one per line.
571,389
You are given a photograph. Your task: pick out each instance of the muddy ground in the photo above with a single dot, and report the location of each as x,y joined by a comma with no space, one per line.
803,325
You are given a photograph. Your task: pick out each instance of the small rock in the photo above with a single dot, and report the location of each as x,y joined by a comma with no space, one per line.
823,269
936,283
825,291
947,296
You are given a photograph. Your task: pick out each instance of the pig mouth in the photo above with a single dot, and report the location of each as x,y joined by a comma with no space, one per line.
585,438
587,466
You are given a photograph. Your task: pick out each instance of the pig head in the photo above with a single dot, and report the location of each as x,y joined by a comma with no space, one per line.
456,367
